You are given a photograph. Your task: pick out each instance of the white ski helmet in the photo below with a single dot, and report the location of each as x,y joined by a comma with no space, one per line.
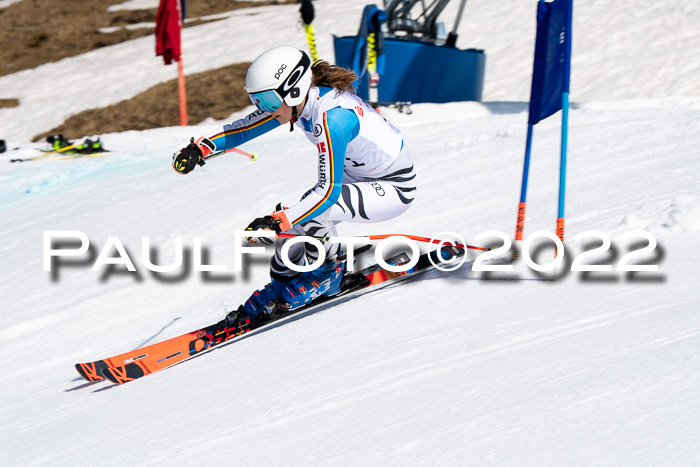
279,74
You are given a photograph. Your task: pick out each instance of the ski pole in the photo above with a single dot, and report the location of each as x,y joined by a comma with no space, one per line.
372,238
307,16
251,155
309,28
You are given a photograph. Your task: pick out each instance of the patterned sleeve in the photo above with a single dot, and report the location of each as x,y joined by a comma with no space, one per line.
249,127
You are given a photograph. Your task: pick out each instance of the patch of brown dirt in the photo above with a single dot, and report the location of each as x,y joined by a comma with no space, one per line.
214,93
34,32
9,103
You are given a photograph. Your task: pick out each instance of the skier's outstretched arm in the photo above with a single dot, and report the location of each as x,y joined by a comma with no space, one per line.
230,136
234,134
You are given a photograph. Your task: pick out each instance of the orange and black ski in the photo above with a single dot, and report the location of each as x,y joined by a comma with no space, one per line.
136,363
133,365
92,371
146,360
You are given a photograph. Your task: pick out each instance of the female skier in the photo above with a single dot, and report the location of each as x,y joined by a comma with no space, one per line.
365,173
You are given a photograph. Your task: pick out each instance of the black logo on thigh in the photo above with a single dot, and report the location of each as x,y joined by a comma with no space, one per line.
378,188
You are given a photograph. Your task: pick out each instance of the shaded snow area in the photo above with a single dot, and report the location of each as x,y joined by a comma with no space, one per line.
460,368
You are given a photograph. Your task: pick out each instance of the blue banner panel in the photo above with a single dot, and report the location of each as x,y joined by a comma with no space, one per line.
419,71
551,69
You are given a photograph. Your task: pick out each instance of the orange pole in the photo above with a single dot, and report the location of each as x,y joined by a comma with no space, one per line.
560,228
182,93
520,223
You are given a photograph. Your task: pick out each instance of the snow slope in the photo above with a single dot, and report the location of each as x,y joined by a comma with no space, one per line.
465,368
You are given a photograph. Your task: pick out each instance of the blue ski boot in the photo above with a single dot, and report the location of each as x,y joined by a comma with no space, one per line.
283,296
263,300
259,306
324,280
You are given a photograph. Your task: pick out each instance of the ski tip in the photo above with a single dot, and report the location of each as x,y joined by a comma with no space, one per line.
91,371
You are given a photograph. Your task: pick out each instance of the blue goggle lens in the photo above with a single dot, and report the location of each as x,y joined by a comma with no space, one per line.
268,101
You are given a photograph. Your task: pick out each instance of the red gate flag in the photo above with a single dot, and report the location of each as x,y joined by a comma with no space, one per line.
168,24
168,31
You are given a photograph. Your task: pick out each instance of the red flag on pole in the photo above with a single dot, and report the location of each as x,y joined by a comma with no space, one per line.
168,25
168,31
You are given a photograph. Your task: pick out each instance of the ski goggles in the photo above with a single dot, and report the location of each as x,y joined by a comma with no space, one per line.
272,99
267,101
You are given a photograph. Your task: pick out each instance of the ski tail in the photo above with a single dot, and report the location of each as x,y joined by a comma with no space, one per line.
123,374
92,371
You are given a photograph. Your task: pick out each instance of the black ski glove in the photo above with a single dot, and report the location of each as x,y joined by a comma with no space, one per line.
264,223
188,158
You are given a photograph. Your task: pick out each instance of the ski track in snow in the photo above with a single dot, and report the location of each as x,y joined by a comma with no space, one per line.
460,369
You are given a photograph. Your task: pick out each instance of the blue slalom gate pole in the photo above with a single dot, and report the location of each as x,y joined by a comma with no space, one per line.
564,121
523,186
520,222
562,164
